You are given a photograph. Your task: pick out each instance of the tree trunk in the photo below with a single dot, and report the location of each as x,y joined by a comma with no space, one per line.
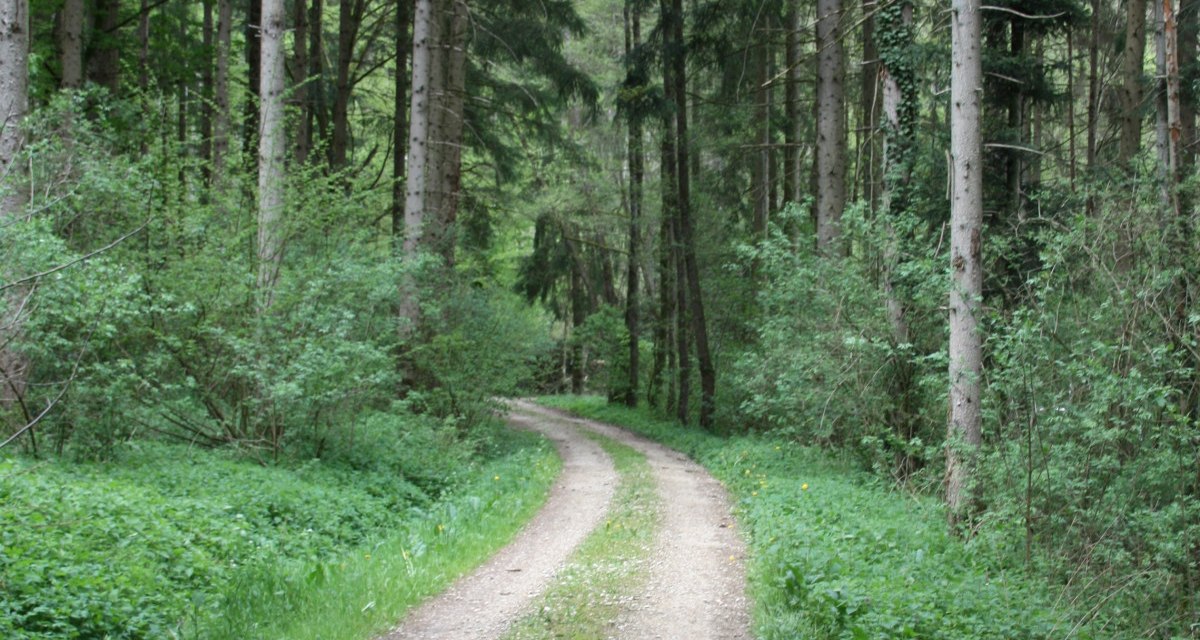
761,155
206,93
254,13
1131,87
416,179
669,181
792,130
70,43
271,146
104,67
695,303
400,124
301,93
869,105
349,21
1161,126
966,220
143,38
14,103
450,140
318,116
633,38
831,125
221,111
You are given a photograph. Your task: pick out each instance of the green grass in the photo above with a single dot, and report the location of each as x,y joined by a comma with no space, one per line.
584,601
836,554
169,541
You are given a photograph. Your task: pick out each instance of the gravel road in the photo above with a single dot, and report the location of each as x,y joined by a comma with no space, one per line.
696,588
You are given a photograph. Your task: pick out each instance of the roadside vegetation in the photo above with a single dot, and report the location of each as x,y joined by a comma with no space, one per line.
174,541
837,553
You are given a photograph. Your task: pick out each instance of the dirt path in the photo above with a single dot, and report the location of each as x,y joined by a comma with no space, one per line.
482,605
696,588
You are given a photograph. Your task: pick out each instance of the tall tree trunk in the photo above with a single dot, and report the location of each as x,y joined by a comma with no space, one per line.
450,140
302,79
869,105
1093,104
254,18
143,38
104,67
271,147
400,124
222,113
831,124
695,303
318,116
14,103
206,93
416,179
1161,125
70,43
1131,85
1014,162
966,221
899,108
349,22
761,155
670,211
633,36
792,131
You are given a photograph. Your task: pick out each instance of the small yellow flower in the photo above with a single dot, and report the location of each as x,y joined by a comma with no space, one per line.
495,477
441,528
754,493
804,487
367,556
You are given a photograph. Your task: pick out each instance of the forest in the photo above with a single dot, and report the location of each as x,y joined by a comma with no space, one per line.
269,269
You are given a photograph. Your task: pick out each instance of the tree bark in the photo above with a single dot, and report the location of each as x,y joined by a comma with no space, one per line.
349,22
695,303
221,111
761,155
254,19
831,125
318,116
869,106
104,67
206,92
634,153
416,179
1131,88
792,133
70,43
400,124
271,147
450,141
301,94
966,220
14,103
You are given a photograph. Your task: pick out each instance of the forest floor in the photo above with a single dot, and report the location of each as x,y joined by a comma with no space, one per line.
690,577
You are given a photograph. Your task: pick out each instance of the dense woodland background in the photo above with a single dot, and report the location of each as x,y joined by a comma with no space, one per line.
294,228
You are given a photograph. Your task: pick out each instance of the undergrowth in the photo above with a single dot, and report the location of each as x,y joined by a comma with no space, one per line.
835,554
585,599
171,541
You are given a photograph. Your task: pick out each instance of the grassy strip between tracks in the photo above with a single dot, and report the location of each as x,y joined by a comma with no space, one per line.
609,567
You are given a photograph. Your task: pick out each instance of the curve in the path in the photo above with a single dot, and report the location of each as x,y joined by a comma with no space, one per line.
696,589
482,605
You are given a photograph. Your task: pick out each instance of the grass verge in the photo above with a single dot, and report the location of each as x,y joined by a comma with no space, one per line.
367,590
170,541
586,597
836,554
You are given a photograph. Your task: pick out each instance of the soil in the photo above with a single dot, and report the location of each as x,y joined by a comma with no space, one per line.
696,586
